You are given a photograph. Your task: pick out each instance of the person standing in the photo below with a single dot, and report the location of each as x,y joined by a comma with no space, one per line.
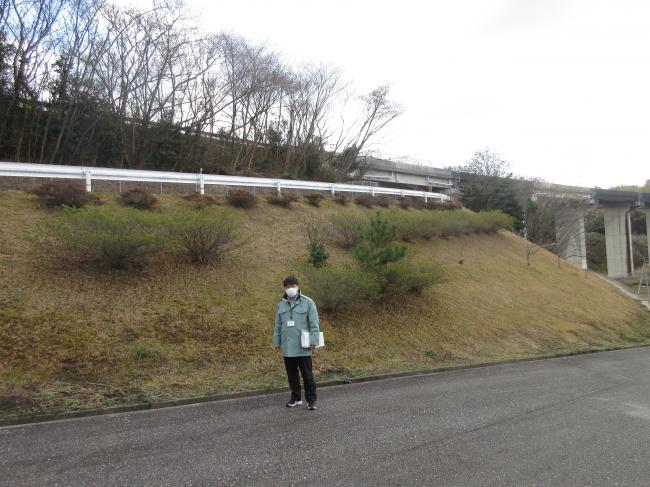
297,313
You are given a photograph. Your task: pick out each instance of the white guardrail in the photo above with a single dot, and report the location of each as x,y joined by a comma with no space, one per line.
87,173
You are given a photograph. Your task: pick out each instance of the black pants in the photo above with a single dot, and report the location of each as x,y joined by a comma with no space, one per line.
293,364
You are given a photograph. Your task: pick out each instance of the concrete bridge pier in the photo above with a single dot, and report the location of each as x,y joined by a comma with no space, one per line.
570,236
616,241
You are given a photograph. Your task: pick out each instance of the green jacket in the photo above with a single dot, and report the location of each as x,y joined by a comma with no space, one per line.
305,316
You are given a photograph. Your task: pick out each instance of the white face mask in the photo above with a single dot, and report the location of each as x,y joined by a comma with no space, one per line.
292,292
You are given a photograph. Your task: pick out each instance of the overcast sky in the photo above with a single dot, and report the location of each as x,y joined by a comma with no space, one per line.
560,88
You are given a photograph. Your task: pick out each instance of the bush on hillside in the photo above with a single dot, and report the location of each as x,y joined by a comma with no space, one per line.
337,288
314,199
65,193
207,234
380,256
140,199
404,277
341,199
436,205
383,201
427,225
366,200
284,200
242,199
197,200
118,238
377,246
417,202
404,203
344,229
315,247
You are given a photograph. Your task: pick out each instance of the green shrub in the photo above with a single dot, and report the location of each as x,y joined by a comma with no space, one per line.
317,254
338,287
403,277
197,200
206,234
345,228
427,225
140,199
116,237
65,193
283,200
376,246
314,199
315,247
380,256
242,199
413,226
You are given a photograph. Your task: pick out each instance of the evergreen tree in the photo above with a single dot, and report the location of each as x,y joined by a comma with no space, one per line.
377,247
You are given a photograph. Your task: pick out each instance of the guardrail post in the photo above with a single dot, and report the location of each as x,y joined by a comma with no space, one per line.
201,184
372,191
88,180
333,191
425,197
279,188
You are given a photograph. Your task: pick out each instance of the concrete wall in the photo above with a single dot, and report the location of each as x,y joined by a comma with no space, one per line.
394,172
570,233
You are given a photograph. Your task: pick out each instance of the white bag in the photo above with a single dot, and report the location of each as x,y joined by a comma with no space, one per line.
304,339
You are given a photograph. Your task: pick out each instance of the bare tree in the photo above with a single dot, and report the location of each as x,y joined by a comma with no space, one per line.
28,24
88,81
487,163
554,224
531,249
378,110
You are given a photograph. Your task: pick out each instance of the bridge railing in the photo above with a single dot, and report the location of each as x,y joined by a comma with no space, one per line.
200,180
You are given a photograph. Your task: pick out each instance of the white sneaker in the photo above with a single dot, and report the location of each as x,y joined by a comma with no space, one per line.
293,404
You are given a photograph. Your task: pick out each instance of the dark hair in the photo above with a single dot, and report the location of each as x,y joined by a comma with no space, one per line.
290,281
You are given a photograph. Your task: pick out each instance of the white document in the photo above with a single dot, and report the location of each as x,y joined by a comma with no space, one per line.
291,323
304,339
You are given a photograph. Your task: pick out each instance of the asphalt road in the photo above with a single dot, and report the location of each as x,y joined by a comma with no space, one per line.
578,421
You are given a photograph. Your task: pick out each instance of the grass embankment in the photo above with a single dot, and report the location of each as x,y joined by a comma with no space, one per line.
92,339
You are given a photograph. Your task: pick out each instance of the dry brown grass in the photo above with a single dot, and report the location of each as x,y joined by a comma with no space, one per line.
72,339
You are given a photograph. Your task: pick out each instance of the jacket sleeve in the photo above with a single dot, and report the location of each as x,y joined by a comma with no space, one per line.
277,335
313,324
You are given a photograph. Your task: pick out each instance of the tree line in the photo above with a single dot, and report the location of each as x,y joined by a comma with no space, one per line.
87,82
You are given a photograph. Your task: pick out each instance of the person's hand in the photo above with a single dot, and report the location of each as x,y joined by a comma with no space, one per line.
312,347
277,347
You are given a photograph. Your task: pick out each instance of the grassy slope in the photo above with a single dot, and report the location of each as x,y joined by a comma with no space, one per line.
200,331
